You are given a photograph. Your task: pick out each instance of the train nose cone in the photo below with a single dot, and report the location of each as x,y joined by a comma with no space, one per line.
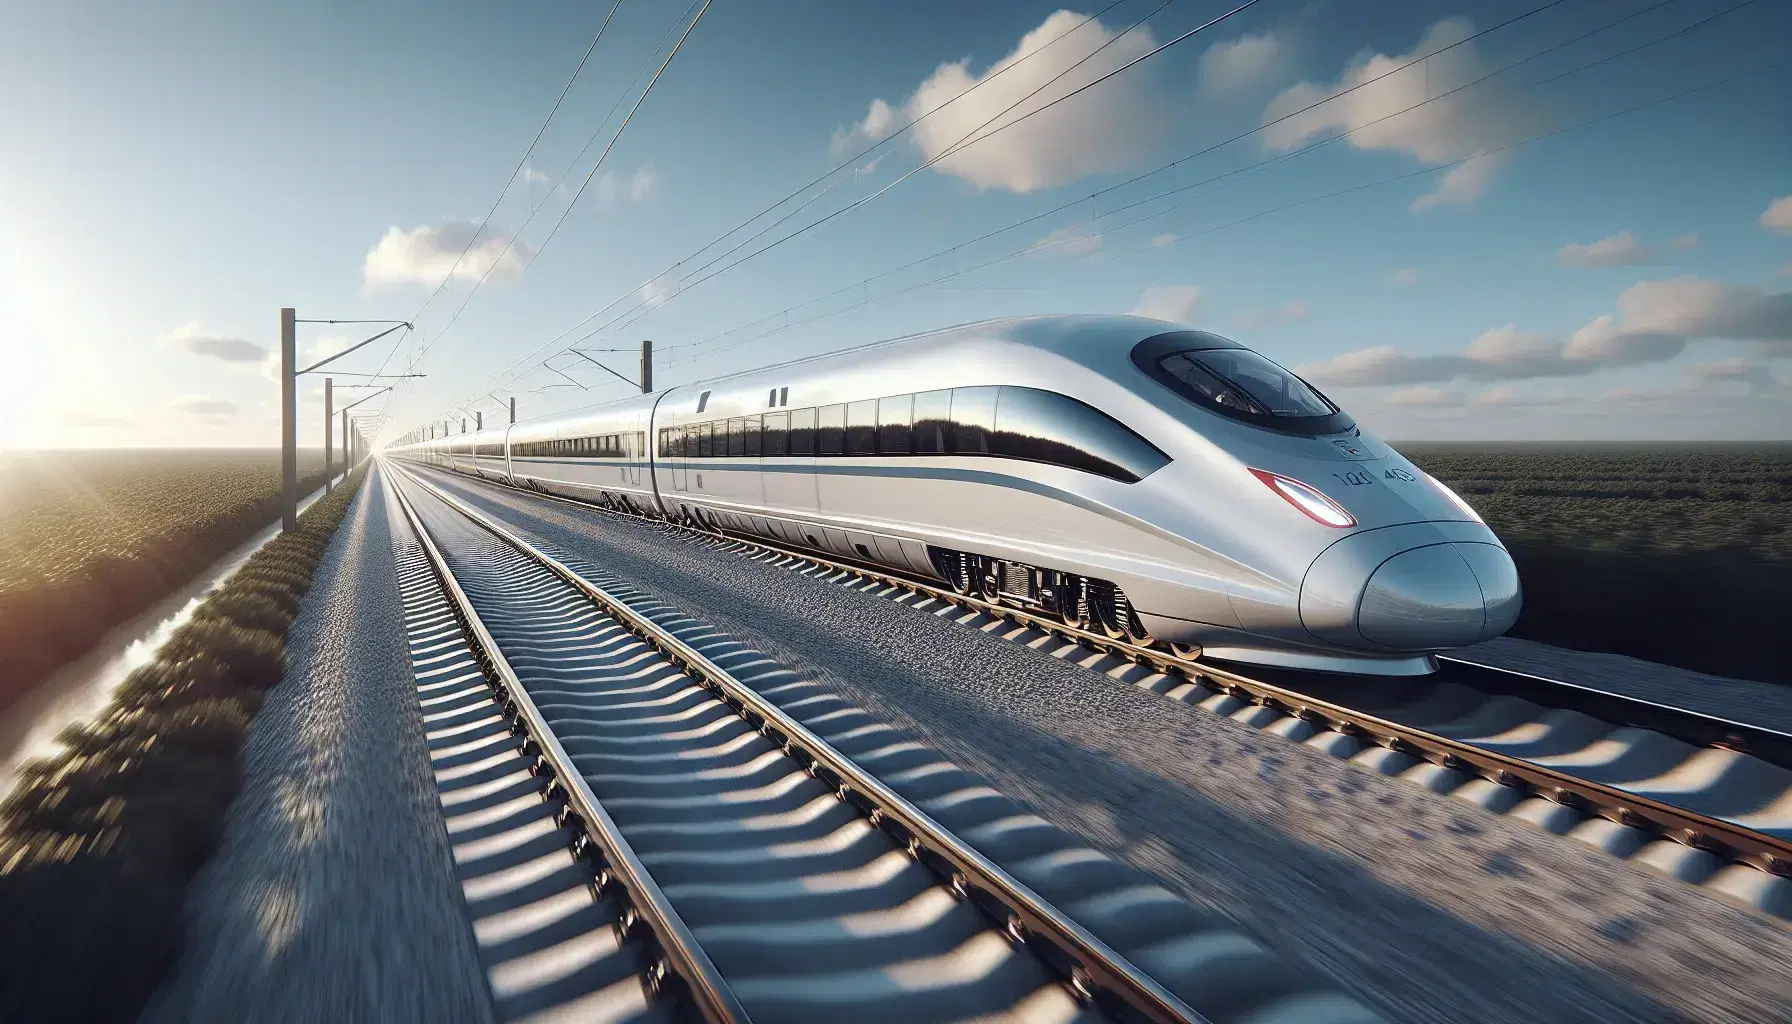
1415,587
1427,597
1498,579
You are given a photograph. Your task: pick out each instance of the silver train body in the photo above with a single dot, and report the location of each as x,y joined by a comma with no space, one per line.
1117,472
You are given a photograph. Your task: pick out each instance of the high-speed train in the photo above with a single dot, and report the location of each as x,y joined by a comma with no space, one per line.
1115,472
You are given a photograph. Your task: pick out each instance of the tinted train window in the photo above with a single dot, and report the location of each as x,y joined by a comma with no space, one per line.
861,428
893,425
777,434
1040,426
933,423
831,434
973,417
751,450
1227,378
737,438
703,440
802,432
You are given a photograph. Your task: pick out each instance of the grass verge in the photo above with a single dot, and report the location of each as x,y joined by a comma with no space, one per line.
98,843
90,539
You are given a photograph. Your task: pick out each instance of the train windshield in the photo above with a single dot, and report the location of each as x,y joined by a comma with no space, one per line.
1221,375
1241,379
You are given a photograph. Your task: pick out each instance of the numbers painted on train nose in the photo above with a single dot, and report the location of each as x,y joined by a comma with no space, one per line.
1397,473
1355,478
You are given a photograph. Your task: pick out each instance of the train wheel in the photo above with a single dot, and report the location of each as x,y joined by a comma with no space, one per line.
1104,609
1062,596
1135,630
954,567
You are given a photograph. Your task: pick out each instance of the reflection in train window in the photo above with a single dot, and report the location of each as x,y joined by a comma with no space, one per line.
973,417
802,432
751,450
861,428
933,421
831,434
893,424
1040,426
777,434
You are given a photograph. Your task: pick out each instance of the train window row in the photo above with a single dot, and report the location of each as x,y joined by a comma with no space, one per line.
615,446
998,422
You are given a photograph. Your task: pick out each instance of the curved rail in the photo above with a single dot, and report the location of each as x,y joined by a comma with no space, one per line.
1093,967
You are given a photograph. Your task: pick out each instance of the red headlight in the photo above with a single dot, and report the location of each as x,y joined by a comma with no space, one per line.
1308,499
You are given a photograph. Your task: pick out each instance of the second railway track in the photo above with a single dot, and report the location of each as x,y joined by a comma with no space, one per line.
715,855
1694,797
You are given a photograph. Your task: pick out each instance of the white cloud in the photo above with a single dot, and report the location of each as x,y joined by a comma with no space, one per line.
1294,310
212,411
1426,397
1778,215
1462,184
643,183
1159,241
307,352
192,338
424,255
1177,303
1619,250
1384,113
659,291
1104,129
1073,240
1239,65
531,176
878,125
1655,322
1686,242
1751,372
1405,277
1703,308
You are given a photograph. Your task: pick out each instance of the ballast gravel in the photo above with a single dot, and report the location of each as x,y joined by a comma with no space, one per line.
333,897
1424,907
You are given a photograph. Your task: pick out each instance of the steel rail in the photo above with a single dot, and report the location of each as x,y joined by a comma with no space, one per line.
1698,727
1725,839
679,948
1094,968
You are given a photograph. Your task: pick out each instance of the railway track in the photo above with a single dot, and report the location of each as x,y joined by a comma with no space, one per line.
1696,798
654,821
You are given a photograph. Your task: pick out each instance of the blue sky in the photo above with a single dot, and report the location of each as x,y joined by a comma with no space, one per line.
175,173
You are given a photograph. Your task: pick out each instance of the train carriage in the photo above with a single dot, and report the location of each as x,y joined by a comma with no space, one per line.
1117,472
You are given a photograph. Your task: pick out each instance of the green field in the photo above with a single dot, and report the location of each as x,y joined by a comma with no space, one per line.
90,538
1675,553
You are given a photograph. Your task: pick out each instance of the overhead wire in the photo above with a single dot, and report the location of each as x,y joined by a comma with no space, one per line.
849,162
591,176
1493,28
963,143
1036,247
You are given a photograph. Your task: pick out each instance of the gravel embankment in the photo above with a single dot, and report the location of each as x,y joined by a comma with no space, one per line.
1429,909
334,896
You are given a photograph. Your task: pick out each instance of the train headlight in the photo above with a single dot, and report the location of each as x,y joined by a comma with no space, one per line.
1455,499
1308,499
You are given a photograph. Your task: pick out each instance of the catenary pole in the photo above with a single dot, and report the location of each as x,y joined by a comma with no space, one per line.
330,422
289,422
